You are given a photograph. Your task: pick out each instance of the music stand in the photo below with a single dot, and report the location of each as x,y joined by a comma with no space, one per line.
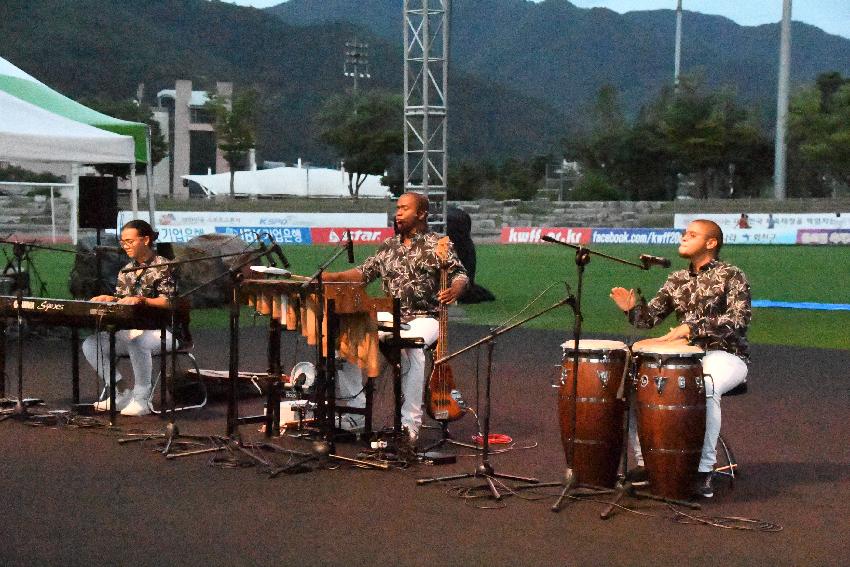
485,469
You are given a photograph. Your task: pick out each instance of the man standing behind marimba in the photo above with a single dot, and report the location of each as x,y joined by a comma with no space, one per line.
409,269
711,300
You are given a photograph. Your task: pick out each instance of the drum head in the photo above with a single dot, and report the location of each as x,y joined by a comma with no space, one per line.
303,375
669,350
592,345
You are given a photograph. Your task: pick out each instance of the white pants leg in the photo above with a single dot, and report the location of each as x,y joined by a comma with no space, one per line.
349,378
723,372
138,345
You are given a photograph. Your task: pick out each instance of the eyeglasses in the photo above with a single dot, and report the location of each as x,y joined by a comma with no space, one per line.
128,242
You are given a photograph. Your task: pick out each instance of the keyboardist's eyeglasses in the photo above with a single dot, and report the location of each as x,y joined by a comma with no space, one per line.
127,242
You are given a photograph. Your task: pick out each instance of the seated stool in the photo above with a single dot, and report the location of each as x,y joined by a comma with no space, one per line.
727,464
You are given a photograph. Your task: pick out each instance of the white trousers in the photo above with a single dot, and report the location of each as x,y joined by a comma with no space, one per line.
139,345
723,371
349,378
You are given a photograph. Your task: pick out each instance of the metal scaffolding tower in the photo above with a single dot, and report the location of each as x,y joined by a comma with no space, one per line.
426,59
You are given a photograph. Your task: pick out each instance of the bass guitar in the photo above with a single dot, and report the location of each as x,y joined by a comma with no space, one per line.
443,401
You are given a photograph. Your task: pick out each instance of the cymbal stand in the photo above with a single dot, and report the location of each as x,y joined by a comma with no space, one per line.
485,469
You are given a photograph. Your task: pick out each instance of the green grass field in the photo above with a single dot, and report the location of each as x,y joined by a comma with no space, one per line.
518,273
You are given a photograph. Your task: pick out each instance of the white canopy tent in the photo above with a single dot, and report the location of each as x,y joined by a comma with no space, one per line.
28,132
301,181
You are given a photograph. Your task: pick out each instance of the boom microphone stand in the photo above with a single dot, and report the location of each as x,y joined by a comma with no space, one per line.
485,469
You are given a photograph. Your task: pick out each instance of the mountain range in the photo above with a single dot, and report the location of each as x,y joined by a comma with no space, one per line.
522,73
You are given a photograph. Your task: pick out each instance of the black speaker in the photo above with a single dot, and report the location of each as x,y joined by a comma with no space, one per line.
98,203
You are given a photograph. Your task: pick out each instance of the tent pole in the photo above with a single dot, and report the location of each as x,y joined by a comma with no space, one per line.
52,216
134,191
149,182
75,202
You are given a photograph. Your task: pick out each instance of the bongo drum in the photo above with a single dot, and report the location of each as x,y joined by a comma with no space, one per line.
670,412
598,437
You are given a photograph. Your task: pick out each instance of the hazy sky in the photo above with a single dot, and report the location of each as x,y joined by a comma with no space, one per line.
833,16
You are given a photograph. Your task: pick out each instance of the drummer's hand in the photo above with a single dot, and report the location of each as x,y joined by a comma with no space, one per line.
102,298
624,298
677,333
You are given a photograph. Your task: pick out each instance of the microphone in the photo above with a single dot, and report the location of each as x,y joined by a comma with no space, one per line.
107,249
648,261
548,238
349,245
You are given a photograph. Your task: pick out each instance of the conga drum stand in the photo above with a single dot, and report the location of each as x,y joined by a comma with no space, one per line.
485,469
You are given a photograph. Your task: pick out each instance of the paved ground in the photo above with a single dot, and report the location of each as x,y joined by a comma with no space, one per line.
75,496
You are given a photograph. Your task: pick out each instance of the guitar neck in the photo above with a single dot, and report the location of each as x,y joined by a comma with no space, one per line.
442,341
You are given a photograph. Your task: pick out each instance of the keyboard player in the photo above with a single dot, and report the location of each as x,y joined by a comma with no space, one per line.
150,287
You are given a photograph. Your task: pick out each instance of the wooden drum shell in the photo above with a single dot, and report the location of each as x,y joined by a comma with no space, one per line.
670,412
599,413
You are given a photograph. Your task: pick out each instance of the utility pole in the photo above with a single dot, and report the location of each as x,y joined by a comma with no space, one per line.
779,165
426,60
677,57
356,61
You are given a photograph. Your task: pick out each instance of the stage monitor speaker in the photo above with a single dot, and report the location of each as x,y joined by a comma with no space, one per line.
98,203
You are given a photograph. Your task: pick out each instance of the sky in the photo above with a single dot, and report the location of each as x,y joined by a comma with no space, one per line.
832,16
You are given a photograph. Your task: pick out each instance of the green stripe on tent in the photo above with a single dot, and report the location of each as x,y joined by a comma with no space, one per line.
44,97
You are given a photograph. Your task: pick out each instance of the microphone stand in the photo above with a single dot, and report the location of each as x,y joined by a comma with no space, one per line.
326,376
582,258
172,432
485,469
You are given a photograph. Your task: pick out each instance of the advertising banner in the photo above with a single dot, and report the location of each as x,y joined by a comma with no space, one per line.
291,228
767,221
531,235
359,235
824,237
635,236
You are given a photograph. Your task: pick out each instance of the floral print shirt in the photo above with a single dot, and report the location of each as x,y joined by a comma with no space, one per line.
714,302
153,282
412,273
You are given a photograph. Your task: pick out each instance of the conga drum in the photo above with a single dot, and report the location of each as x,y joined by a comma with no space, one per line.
670,412
598,437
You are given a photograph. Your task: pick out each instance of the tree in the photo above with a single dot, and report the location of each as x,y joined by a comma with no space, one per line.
819,135
235,127
366,130
131,110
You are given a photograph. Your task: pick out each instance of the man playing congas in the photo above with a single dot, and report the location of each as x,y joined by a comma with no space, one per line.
711,300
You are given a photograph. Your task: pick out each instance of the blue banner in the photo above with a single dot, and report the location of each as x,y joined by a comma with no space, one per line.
636,236
280,234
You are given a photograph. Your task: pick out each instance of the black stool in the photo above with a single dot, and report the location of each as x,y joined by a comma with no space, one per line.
730,467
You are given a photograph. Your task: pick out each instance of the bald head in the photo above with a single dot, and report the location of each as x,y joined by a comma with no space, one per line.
711,230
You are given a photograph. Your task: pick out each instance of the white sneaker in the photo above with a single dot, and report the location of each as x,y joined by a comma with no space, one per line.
122,400
353,422
136,408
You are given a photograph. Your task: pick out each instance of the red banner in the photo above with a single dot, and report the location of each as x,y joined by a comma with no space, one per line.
358,235
531,235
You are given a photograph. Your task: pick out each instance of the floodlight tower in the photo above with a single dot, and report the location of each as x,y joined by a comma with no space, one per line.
426,62
356,61
677,56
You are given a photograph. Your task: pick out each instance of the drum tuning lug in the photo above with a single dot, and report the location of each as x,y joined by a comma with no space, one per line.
698,380
603,377
659,383
644,380
682,382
